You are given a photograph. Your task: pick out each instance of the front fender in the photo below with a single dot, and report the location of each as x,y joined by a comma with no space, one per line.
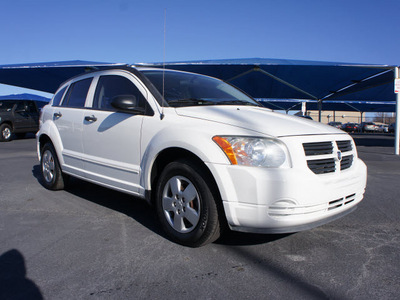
192,135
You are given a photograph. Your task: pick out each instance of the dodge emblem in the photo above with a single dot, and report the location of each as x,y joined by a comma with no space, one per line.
339,155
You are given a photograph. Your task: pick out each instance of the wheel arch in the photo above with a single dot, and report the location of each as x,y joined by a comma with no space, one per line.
169,155
43,139
8,122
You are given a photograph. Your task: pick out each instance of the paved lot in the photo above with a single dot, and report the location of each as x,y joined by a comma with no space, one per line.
92,243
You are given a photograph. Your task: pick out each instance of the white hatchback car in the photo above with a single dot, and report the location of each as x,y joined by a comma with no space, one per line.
204,153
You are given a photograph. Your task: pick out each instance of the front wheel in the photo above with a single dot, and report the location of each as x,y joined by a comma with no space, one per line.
5,133
186,204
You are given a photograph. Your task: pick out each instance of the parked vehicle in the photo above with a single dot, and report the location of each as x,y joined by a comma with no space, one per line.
338,125
350,127
205,154
383,128
368,127
391,127
18,117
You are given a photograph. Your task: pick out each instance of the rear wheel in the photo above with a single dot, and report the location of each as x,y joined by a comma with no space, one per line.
51,172
186,205
5,133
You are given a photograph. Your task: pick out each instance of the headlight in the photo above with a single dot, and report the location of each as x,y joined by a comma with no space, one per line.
251,151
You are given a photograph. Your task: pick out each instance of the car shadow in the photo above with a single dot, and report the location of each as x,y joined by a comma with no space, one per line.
129,205
235,238
142,212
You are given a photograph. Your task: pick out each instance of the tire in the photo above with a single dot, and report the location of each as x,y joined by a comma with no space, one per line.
186,205
5,133
52,177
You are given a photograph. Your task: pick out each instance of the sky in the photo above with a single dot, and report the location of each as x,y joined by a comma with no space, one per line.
131,31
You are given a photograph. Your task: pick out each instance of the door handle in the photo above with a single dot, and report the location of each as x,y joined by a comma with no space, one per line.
57,115
91,118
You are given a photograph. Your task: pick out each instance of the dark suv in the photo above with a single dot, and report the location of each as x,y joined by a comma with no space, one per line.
19,117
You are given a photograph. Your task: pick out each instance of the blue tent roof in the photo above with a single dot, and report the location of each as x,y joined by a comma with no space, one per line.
25,97
295,79
47,76
259,77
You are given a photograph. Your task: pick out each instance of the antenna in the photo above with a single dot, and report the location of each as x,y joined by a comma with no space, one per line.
163,75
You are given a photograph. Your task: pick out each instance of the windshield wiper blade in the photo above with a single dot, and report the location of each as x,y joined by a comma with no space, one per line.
193,101
241,102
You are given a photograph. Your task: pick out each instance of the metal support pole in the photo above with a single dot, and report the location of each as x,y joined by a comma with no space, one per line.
397,126
319,111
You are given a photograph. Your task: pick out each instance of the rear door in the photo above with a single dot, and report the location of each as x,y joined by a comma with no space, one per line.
68,117
33,114
111,139
22,119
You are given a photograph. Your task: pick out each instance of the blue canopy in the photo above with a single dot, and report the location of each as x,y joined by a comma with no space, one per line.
296,79
261,78
25,96
47,76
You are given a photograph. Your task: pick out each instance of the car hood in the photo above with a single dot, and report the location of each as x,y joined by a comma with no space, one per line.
258,119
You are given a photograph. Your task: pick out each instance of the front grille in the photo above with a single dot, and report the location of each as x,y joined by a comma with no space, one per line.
325,157
318,148
344,146
346,162
322,166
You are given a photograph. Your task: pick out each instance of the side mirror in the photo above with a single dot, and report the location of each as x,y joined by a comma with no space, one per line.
127,103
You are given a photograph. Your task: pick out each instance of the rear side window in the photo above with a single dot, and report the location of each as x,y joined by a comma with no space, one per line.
31,107
6,105
110,86
57,97
21,106
77,93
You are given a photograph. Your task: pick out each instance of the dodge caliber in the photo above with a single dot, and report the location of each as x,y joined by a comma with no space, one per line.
204,154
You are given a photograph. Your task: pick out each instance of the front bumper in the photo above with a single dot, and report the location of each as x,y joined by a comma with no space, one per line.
266,200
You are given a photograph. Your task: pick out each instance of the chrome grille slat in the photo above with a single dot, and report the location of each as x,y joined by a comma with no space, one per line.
325,157
344,146
346,162
322,166
318,148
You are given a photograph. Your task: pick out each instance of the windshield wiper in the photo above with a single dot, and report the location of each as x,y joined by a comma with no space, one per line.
240,102
199,101
191,101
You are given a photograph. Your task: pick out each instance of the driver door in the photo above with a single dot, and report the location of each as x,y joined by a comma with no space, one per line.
111,139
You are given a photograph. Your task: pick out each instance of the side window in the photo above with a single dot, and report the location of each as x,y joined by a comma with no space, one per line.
77,93
21,106
6,105
110,86
57,97
31,107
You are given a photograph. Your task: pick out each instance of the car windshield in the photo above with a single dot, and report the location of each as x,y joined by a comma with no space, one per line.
188,89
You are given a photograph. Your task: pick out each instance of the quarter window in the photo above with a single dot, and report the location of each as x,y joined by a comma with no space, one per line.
57,97
77,93
110,86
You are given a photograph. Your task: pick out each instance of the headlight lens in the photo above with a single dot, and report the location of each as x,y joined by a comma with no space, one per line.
250,151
